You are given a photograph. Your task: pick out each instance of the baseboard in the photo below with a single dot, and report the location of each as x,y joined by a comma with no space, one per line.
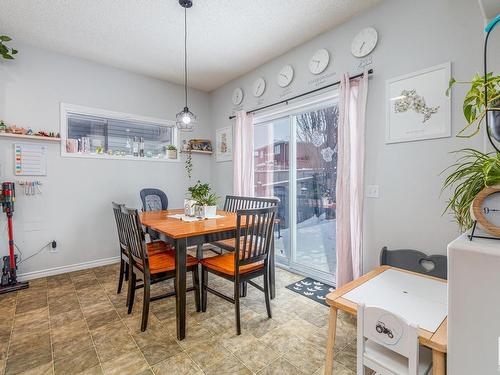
70,268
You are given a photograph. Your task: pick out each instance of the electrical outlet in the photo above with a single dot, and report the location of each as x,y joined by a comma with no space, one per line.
53,247
372,191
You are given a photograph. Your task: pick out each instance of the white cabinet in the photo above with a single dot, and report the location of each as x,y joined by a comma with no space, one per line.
473,306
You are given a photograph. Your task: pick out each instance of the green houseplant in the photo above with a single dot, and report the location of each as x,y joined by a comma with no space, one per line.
205,199
475,107
6,52
472,172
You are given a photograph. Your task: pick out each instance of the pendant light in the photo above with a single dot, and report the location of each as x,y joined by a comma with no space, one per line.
185,118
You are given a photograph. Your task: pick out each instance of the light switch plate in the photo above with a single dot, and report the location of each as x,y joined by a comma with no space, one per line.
372,191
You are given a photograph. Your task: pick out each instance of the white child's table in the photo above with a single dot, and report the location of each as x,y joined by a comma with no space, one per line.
419,299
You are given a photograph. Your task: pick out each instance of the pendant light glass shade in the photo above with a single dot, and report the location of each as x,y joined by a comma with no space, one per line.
185,119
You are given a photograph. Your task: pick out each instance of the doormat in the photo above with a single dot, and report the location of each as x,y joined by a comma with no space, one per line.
312,289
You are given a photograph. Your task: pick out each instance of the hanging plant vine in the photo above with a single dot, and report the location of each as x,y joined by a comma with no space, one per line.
188,164
6,52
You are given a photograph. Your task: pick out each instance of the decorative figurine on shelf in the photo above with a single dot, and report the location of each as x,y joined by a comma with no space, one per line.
3,127
15,130
29,132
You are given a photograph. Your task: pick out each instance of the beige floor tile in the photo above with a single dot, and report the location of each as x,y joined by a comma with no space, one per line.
256,355
112,340
280,367
305,357
207,352
131,363
76,363
27,359
229,365
179,364
347,356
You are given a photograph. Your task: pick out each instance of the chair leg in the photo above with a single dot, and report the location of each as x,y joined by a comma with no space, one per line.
196,282
267,294
121,276
126,271
131,292
204,283
243,289
237,306
145,303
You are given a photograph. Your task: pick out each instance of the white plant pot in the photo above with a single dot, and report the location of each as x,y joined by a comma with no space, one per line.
208,212
172,154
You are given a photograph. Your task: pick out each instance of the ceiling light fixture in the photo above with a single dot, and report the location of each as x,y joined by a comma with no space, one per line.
185,118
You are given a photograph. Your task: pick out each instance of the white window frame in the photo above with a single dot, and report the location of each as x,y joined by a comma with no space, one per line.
66,108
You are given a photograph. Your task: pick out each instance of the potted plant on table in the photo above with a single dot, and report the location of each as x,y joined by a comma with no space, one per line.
171,152
205,199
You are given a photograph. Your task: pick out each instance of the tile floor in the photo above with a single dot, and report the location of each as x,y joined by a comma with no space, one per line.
75,323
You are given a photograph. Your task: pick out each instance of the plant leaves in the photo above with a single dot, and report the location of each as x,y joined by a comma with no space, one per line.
5,38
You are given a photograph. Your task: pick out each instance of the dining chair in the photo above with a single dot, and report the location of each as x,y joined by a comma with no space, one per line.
153,262
234,203
153,200
388,344
124,263
254,232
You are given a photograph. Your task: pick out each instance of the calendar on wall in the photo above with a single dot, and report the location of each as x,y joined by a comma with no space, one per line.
30,159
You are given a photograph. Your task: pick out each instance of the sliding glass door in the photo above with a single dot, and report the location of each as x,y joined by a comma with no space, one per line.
296,160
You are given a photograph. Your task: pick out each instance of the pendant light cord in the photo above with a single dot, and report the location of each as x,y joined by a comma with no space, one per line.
185,58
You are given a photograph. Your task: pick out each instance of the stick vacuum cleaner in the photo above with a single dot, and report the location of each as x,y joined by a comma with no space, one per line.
9,281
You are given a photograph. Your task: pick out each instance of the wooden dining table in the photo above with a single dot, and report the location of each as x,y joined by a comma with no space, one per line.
183,234
418,298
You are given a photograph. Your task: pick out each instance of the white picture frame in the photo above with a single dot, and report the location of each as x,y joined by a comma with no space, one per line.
417,107
224,144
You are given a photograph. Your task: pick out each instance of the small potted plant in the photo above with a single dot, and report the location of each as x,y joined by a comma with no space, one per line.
206,200
171,152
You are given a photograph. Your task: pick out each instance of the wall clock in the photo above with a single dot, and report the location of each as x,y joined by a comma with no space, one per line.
259,86
364,42
285,76
237,96
319,61
486,209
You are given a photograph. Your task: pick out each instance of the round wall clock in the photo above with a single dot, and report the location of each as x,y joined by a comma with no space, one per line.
364,42
237,96
319,61
486,209
285,76
259,86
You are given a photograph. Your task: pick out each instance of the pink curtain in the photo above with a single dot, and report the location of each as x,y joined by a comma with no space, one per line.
243,155
350,177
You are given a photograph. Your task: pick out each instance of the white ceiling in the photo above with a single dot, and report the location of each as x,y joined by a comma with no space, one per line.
227,38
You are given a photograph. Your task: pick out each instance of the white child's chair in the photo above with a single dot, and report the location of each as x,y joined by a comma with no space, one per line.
388,344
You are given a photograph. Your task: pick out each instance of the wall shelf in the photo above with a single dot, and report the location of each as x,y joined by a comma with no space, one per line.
30,137
198,152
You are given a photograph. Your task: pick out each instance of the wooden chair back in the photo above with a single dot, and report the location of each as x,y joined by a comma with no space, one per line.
253,235
234,203
416,261
388,330
136,243
117,209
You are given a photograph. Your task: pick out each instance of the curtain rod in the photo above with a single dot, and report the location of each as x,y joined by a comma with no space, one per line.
300,95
